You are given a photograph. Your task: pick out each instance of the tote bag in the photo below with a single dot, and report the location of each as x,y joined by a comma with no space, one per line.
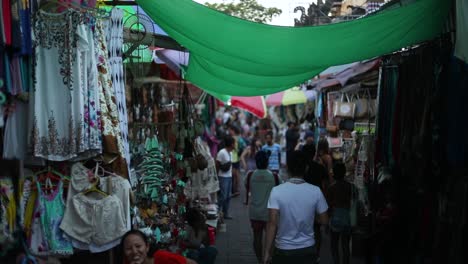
344,109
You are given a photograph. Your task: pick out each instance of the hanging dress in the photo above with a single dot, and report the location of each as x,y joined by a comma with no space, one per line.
113,145
51,208
114,39
64,100
15,137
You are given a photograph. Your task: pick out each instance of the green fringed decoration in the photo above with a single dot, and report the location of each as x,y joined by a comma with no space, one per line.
154,194
157,234
155,143
182,210
181,183
164,199
179,156
182,233
153,168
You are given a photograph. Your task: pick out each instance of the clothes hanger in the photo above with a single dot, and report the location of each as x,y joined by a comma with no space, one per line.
108,173
45,177
50,173
95,189
56,3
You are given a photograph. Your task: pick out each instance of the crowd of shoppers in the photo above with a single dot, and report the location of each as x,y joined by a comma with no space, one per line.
287,219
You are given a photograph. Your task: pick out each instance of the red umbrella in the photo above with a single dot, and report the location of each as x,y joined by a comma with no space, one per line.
252,104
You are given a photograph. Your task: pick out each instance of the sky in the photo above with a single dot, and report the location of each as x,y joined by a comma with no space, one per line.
287,6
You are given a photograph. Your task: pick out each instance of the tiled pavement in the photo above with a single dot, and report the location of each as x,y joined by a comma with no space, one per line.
235,246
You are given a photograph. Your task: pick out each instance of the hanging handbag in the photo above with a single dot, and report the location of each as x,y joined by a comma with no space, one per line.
372,108
193,163
362,106
202,162
344,109
199,128
332,128
335,142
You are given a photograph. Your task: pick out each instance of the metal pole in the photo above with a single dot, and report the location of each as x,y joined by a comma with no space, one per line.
121,3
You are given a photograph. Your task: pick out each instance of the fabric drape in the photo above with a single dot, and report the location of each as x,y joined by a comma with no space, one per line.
238,57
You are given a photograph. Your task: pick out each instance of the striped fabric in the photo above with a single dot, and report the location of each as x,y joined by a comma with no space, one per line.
372,7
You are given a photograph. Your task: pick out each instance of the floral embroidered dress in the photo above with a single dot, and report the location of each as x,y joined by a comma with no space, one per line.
113,145
64,101
114,38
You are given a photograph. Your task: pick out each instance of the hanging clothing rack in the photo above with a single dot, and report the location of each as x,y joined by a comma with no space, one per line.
117,3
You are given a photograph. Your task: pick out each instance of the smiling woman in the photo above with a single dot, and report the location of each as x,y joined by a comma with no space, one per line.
136,248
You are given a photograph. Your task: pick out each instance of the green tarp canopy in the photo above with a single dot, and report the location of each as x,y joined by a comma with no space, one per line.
238,57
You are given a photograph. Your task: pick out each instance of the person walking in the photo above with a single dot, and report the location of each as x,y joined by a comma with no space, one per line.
309,140
259,184
323,157
224,169
239,146
274,161
292,137
248,155
339,197
292,209
316,174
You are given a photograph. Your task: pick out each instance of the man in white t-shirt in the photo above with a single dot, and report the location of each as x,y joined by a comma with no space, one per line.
224,168
292,209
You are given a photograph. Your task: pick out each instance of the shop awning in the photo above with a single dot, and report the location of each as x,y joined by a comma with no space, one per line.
237,57
342,77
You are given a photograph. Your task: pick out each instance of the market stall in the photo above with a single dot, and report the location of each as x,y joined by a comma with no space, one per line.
90,148
98,136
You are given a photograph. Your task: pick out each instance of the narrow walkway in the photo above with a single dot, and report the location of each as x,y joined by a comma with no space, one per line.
235,246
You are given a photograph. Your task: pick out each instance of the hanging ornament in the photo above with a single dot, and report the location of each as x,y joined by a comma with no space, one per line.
153,169
157,234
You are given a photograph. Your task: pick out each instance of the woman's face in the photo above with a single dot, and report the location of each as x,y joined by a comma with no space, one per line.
135,249
258,143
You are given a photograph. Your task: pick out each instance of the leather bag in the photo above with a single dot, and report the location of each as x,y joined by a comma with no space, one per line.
332,128
224,167
202,163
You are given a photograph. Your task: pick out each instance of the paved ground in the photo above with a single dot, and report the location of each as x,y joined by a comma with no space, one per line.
235,245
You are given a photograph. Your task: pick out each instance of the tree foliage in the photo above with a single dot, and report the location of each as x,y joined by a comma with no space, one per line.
247,9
